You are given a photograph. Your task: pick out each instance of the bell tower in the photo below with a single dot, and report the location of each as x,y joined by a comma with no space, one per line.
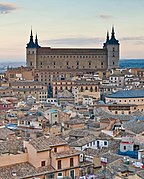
112,46
31,51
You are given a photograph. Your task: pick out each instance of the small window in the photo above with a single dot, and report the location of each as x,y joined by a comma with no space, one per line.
124,147
59,164
71,162
43,163
105,142
55,149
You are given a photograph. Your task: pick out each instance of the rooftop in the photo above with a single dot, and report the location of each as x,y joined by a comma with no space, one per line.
22,171
45,143
11,147
136,93
70,51
4,133
67,153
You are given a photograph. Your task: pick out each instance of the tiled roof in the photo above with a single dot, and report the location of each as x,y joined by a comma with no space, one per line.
27,83
12,146
70,51
111,157
67,153
65,94
75,121
136,126
83,141
81,133
44,143
4,133
136,93
22,171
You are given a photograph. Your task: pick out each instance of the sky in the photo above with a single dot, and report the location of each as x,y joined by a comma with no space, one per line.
71,23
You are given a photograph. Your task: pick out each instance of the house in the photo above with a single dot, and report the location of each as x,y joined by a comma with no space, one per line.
75,123
91,141
42,157
53,151
129,148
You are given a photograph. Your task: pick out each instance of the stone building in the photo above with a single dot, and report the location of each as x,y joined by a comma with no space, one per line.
25,89
50,62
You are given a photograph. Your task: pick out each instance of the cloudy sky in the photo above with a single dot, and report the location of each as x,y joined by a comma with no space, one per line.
70,23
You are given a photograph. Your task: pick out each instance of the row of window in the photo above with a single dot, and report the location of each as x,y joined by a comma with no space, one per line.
134,100
42,96
73,56
59,163
30,87
67,63
94,143
129,112
77,67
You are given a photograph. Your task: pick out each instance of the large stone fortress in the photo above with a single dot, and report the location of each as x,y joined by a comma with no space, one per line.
71,60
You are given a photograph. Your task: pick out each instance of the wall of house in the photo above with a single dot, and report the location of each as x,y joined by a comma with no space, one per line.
35,158
137,101
60,148
7,159
65,162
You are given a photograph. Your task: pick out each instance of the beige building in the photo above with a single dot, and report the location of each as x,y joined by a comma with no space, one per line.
43,157
20,73
23,89
59,62
79,88
124,97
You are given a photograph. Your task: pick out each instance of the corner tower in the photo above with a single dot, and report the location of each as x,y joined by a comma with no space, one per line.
31,51
112,46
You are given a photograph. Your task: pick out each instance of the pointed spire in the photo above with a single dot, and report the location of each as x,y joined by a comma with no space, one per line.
31,42
36,41
113,40
113,32
107,38
31,36
31,32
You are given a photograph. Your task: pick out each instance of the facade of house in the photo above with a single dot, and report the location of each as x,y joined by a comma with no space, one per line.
43,157
24,89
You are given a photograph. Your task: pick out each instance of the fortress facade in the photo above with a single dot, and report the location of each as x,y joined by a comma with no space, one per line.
61,62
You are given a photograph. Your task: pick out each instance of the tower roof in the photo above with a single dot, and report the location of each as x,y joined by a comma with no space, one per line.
36,42
31,43
113,40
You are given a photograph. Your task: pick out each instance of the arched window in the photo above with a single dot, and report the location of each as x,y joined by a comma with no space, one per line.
91,89
81,89
86,88
95,89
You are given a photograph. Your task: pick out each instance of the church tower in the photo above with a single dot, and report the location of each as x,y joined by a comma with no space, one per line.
31,51
112,46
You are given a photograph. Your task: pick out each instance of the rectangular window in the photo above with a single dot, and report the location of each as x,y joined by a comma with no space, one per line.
42,163
105,142
55,149
71,162
59,164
